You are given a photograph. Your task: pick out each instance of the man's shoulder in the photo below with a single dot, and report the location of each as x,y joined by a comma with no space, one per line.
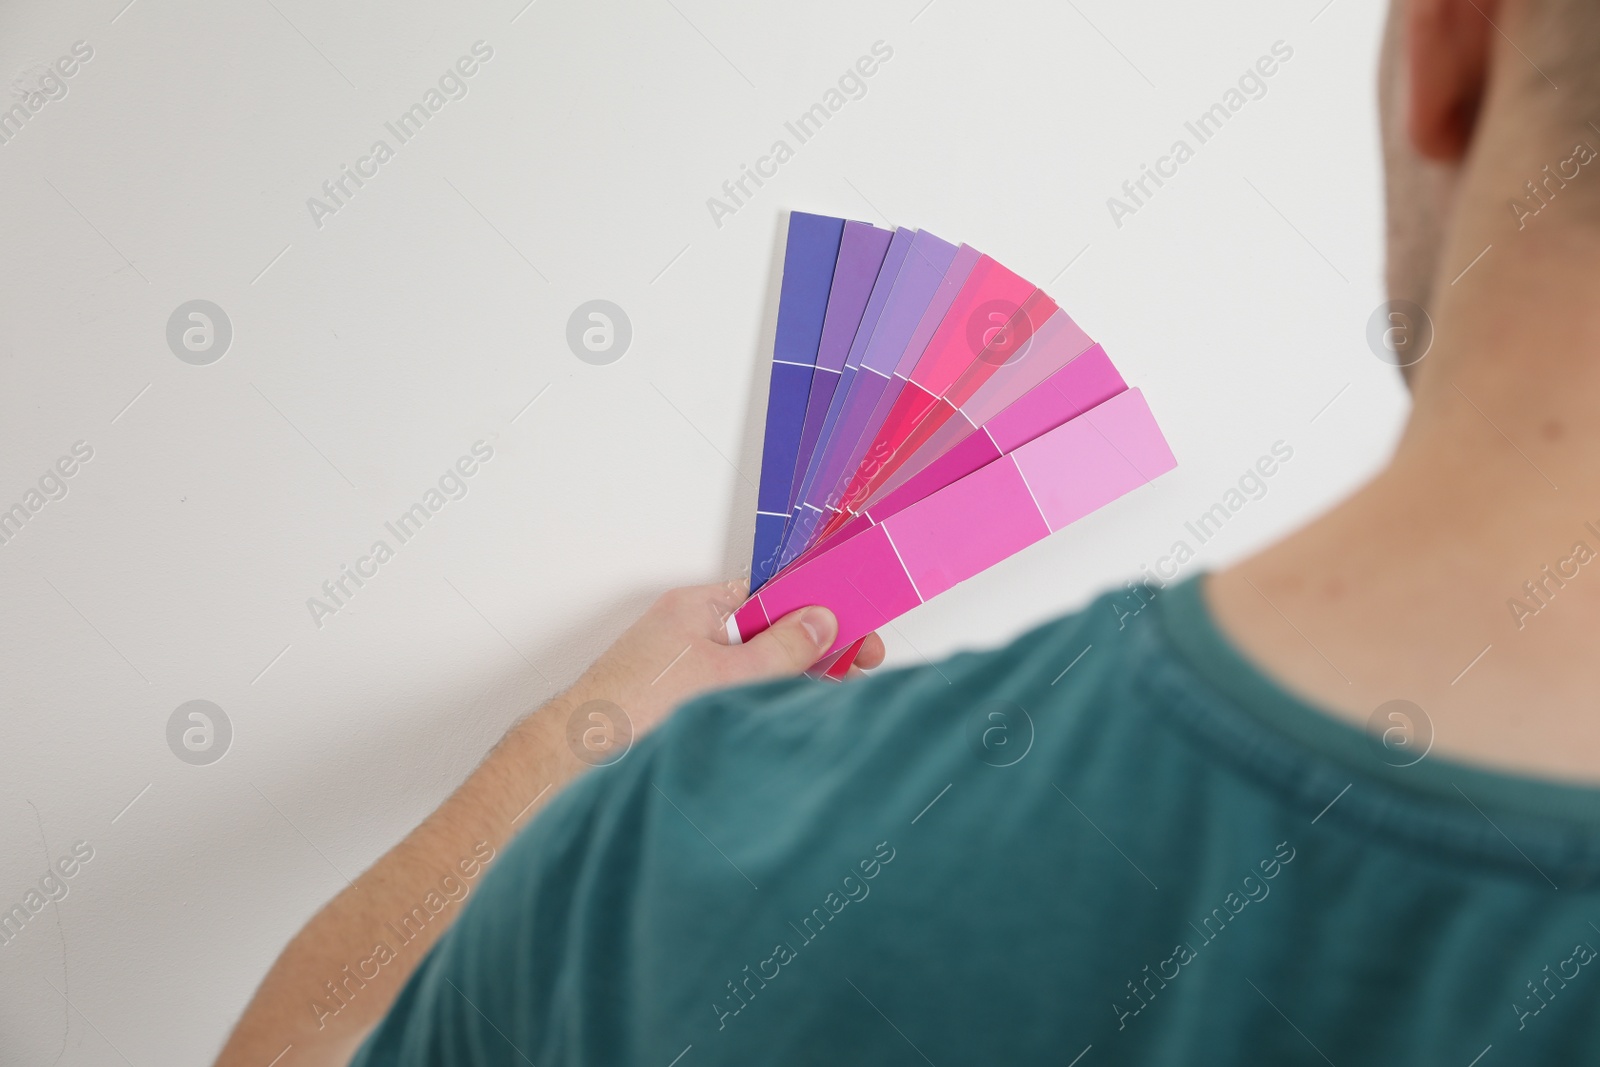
762,771
756,816
899,714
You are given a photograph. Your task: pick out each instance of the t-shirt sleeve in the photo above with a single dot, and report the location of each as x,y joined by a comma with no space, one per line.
537,966
493,989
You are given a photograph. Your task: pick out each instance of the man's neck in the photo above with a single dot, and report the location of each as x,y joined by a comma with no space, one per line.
1466,576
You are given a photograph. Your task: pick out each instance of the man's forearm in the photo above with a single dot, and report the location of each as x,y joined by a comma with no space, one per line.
341,973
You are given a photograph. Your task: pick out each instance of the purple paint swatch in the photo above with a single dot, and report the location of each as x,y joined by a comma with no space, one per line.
893,261
915,287
861,253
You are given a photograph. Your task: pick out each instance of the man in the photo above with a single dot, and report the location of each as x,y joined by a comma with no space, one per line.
1190,827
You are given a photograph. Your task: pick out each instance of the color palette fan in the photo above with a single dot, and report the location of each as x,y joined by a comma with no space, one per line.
930,413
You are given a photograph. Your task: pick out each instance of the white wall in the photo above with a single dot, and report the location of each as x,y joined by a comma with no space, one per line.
368,354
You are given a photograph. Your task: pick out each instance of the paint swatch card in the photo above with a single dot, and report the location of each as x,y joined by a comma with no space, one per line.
929,413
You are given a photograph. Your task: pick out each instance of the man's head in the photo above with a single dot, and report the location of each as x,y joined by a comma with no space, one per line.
1477,96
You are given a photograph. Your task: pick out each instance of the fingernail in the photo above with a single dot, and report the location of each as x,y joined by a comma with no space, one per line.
816,622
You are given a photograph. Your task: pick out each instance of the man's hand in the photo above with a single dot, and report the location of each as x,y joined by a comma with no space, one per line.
679,649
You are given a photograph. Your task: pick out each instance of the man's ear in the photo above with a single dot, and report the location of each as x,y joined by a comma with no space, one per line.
1448,47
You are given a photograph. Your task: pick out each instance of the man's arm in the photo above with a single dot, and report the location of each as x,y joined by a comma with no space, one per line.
675,651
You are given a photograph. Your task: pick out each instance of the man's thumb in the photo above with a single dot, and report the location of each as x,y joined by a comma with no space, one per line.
791,644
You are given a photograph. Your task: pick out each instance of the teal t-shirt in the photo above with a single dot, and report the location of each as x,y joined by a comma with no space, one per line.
1111,841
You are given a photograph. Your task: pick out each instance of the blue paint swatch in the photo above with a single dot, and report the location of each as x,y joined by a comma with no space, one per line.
808,262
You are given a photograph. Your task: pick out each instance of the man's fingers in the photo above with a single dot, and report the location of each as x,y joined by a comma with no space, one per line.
788,646
871,654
